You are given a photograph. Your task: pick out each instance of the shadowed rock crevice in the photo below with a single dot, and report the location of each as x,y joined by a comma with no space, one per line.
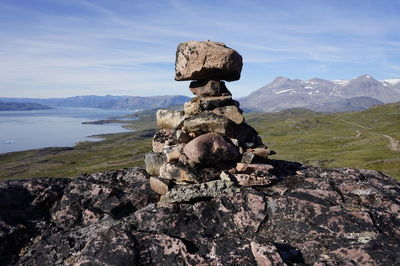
122,210
289,254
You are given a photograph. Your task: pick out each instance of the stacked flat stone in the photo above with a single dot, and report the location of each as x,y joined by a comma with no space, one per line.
209,140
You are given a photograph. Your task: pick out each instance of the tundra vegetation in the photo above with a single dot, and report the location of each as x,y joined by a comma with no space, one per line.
355,139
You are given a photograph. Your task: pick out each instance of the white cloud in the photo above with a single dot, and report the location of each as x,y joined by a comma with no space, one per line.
130,46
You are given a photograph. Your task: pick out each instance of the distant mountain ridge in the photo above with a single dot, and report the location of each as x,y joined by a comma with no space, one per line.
316,94
347,105
107,102
284,93
15,106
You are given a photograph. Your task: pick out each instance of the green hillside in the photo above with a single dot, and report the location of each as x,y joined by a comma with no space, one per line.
359,140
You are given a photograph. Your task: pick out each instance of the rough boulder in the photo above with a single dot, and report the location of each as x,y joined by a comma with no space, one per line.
207,61
305,215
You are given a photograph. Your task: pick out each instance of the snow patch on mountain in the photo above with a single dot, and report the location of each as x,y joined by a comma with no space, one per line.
391,81
283,93
340,81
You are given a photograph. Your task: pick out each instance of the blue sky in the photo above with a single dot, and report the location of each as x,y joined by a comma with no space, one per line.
59,48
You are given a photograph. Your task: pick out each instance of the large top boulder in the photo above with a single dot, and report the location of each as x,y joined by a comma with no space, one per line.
207,61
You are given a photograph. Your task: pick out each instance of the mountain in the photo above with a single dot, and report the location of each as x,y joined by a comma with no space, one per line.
150,102
15,106
346,105
107,102
370,87
283,93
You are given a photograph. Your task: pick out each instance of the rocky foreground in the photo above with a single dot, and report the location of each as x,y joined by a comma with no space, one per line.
305,215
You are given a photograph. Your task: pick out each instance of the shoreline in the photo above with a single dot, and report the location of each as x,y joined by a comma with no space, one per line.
122,121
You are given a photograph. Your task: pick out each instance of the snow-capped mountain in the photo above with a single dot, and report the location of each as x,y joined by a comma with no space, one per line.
283,93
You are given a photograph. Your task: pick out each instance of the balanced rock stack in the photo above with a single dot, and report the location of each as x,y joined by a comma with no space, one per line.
207,148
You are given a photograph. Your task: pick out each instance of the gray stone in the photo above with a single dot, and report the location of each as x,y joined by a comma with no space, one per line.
162,139
209,189
183,159
169,119
232,112
207,61
178,172
249,157
221,105
210,149
192,108
173,152
209,103
181,136
225,176
234,142
251,168
250,180
262,152
207,122
158,185
204,88
153,162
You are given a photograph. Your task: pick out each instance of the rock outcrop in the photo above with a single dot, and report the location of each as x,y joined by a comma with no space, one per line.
304,215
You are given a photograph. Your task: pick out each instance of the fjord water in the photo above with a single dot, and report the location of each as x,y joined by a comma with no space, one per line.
58,127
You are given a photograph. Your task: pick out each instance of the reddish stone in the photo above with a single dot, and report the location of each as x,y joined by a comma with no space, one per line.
210,149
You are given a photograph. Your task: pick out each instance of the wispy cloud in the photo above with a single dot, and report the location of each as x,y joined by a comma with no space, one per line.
128,47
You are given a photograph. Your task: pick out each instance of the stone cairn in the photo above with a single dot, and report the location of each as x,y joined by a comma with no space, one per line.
206,149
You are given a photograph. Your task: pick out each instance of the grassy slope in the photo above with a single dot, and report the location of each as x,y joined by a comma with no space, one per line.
330,140
327,140
116,151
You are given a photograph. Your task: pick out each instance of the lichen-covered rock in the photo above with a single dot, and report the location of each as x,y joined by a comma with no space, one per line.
250,180
194,192
307,215
172,153
204,88
178,172
192,108
153,162
162,139
253,168
207,61
168,137
249,157
210,103
169,119
207,122
108,247
221,105
186,174
111,192
232,112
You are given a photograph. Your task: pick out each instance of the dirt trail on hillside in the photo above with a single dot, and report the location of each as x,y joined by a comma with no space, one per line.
353,123
394,145
349,122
